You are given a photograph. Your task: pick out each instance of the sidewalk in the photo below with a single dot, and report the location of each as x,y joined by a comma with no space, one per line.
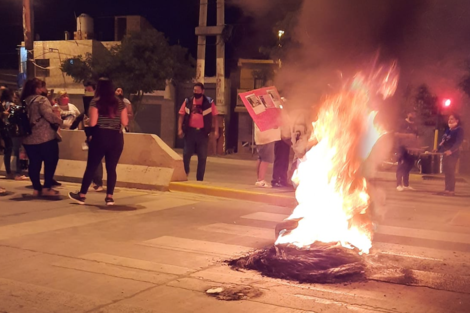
235,178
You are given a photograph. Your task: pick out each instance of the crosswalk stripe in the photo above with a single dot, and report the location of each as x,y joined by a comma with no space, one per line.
240,230
197,246
265,216
424,234
382,229
138,264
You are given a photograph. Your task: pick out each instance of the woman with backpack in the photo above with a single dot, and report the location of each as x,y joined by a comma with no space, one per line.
41,144
107,114
12,143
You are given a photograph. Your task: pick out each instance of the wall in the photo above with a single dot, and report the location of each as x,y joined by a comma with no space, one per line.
58,51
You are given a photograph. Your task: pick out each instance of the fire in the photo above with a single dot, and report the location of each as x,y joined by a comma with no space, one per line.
332,194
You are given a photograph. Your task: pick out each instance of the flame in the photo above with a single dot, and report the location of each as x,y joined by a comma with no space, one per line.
332,195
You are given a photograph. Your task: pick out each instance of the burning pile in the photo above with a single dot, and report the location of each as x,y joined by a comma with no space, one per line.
333,196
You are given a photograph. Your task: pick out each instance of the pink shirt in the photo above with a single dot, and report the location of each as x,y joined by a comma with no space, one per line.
196,120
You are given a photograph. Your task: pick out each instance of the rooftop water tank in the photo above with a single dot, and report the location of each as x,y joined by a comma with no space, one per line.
85,26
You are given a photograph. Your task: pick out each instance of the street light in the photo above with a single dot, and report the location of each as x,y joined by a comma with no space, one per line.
280,33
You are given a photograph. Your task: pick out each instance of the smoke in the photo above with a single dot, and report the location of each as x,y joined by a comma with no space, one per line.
337,38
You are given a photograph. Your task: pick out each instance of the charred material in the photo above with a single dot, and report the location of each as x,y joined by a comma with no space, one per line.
320,263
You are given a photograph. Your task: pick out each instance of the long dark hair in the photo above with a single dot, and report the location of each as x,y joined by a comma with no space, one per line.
30,87
106,101
6,96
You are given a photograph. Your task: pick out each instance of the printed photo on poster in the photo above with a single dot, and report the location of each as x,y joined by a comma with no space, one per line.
255,103
275,98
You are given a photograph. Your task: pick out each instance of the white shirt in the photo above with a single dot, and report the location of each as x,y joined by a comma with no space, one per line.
268,136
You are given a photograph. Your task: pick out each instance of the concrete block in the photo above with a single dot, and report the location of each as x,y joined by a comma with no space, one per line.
146,162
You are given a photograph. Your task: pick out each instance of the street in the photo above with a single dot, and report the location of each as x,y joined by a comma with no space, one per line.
161,251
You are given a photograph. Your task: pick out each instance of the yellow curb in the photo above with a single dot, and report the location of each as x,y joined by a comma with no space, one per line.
274,199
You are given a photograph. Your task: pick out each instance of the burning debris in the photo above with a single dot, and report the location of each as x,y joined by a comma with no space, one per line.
319,263
323,239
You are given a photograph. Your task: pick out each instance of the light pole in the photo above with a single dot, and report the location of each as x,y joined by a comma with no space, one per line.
280,33
28,31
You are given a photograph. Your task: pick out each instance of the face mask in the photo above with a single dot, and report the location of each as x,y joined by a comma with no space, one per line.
64,101
44,94
121,97
197,95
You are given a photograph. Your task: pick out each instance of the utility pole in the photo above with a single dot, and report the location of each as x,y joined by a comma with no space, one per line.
201,43
28,30
202,32
220,74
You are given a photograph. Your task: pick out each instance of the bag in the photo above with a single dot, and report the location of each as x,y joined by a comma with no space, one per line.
19,124
18,121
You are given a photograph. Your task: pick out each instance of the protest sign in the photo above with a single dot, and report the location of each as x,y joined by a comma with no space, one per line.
264,106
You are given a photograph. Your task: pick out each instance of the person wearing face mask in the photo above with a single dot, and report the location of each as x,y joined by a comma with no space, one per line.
41,145
130,113
450,147
407,136
196,117
67,110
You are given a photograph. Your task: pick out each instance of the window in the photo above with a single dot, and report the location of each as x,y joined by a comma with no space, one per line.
42,67
259,83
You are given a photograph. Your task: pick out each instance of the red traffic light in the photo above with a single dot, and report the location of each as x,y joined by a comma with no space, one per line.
447,102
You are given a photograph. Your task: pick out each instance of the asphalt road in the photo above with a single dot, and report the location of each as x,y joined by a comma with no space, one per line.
160,252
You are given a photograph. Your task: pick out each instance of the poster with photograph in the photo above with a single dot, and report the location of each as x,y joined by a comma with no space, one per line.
264,106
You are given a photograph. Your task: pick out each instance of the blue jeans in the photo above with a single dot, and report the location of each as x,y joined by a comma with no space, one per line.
196,141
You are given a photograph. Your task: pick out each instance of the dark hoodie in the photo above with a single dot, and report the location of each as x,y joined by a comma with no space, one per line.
452,140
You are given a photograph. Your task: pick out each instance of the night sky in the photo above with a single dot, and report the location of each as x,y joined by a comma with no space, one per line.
175,18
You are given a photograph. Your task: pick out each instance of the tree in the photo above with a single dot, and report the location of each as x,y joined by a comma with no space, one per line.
426,104
287,12
142,63
464,83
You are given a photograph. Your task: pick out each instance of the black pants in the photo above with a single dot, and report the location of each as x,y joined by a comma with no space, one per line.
105,143
281,162
196,141
10,148
48,153
449,165
405,165
98,178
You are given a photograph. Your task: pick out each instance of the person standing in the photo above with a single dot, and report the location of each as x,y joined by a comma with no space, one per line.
41,145
407,136
282,150
108,115
265,144
196,117
450,147
67,110
12,143
128,104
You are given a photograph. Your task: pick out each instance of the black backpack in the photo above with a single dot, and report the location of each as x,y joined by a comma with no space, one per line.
19,124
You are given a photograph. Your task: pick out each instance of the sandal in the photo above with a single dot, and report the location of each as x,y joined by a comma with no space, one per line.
50,193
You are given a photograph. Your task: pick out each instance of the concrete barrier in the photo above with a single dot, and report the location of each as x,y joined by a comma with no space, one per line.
146,162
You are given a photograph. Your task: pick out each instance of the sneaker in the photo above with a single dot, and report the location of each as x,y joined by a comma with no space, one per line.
400,188
75,196
21,177
109,201
98,188
408,188
262,184
55,183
